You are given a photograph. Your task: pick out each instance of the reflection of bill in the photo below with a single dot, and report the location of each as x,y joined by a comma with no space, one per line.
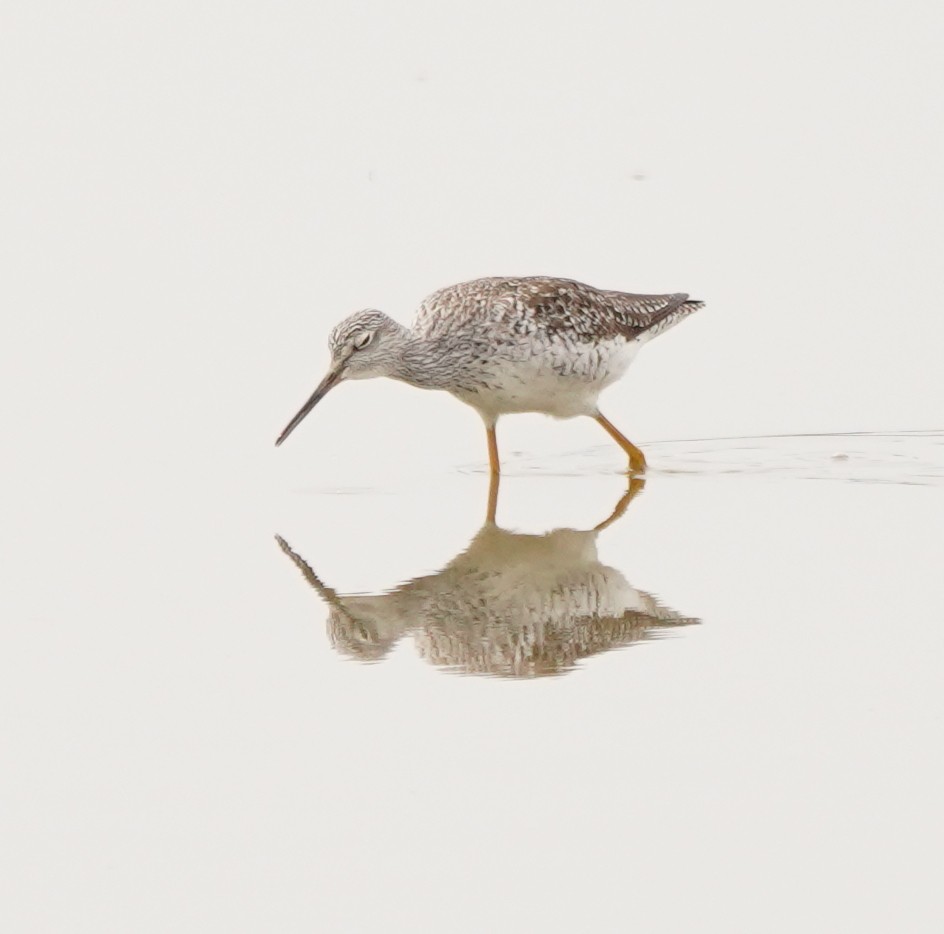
511,605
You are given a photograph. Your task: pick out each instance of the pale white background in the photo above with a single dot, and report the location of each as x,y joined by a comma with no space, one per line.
192,194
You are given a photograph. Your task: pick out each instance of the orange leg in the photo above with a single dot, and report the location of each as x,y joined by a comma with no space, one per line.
637,460
493,481
493,463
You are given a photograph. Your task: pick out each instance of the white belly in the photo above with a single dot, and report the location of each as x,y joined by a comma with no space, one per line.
559,381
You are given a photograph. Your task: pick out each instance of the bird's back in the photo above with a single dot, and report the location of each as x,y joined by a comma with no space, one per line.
550,308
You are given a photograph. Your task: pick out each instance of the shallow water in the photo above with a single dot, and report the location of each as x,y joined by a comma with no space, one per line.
725,679
908,457
526,604
781,735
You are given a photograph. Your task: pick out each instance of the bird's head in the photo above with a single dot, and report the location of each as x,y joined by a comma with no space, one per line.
363,345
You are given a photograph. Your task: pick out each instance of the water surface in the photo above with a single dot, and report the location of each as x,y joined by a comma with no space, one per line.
718,691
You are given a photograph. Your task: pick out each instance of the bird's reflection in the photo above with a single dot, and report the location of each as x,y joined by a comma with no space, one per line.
510,605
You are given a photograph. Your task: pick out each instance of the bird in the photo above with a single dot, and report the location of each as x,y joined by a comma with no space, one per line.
507,345
510,605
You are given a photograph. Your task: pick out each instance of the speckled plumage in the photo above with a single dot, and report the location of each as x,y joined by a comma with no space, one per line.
505,345
533,344
545,309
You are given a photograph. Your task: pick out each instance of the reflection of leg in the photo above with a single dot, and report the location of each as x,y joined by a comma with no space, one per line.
493,465
635,488
637,460
493,482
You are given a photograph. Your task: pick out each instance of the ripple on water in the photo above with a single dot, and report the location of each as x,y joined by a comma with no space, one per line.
896,457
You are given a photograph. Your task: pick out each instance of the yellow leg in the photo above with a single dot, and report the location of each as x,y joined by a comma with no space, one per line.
493,464
493,481
637,460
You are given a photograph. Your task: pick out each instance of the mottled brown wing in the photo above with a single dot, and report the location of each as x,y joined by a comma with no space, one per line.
560,306
557,307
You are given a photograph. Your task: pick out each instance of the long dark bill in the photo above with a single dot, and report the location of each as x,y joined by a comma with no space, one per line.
330,380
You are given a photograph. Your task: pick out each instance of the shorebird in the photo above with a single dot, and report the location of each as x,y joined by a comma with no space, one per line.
505,345
511,605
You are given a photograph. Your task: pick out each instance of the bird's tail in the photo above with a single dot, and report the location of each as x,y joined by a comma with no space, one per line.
671,316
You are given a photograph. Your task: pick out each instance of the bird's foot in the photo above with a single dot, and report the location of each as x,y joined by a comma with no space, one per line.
637,461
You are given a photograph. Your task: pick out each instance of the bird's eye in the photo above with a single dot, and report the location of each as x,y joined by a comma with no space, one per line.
363,339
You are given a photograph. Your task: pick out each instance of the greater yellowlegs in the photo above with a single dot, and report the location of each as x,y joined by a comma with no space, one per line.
501,345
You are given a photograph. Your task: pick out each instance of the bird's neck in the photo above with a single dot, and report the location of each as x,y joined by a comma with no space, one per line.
420,363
